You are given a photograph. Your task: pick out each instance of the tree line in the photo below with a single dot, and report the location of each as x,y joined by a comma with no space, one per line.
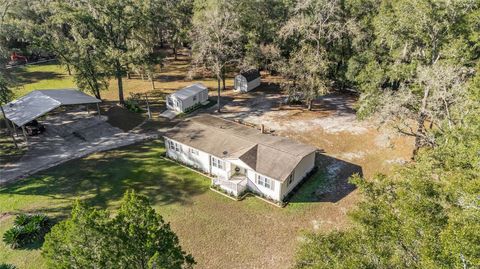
413,64
408,60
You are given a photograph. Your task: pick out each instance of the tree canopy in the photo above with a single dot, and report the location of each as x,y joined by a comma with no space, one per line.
136,237
413,64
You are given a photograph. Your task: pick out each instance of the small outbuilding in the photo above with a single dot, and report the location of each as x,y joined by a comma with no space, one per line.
247,81
187,98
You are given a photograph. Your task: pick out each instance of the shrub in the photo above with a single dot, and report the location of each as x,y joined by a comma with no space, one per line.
132,103
133,106
26,229
7,266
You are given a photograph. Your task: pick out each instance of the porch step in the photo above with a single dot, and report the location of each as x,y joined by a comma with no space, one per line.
169,114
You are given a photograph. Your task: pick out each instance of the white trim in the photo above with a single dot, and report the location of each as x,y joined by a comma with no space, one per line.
218,163
265,181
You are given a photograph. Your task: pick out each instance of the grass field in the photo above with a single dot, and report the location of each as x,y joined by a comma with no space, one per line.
219,232
52,76
8,152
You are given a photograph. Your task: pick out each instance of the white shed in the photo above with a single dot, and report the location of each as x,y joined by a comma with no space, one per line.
247,81
188,97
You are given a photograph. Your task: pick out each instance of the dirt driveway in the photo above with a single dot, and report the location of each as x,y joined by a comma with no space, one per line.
348,145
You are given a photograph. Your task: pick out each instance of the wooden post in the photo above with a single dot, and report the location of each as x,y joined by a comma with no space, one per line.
14,128
98,110
25,134
148,107
8,127
88,110
262,128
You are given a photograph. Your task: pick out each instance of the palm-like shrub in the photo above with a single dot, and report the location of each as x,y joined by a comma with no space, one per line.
26,229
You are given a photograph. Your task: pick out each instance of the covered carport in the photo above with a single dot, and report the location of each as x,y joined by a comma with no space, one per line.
39,102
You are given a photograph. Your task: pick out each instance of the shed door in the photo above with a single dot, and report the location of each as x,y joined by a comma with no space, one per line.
238,83
178,104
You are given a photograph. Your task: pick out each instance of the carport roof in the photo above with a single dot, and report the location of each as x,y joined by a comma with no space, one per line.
40,102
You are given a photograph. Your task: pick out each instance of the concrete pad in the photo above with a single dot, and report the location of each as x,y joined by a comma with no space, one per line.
169,114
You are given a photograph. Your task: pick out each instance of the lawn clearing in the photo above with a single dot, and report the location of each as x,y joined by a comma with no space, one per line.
42,76
219,232
52,76
8,151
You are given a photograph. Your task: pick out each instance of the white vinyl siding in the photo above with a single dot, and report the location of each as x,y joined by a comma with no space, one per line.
181,102
201,160
193,151
299,173
241,84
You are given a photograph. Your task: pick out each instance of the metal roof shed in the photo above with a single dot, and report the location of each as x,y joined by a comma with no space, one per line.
39,102
187,97
247,81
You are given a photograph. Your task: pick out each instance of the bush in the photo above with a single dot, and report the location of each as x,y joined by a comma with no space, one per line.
26,229
133,106
7,266
132,103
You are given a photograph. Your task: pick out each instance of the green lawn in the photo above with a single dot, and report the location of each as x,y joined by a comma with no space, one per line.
8,151
42,76
52,76
206,222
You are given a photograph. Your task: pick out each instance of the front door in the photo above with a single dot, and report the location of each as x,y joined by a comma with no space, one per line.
240,171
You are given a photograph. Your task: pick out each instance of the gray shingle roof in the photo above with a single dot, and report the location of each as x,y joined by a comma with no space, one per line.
272,156
251,74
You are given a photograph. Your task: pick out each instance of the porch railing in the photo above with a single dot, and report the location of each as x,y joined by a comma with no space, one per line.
233,187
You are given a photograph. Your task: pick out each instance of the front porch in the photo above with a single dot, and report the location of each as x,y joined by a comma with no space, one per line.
234,186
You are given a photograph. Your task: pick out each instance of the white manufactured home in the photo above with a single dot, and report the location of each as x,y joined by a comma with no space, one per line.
240,158
188,97
247,81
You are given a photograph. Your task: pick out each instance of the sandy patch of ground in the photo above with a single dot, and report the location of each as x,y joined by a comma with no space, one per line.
332,126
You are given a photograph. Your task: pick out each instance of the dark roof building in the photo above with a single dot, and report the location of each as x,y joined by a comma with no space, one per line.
272,156
251,74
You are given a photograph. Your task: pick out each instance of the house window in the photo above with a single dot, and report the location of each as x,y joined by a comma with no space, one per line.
218,163
264,181
290,179
194,151
171,144
195,98
174,146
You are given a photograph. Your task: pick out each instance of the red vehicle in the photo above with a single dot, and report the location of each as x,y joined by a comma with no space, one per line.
18,59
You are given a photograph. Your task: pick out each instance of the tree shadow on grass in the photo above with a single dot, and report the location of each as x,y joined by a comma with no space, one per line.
101,179
329,183
22,76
